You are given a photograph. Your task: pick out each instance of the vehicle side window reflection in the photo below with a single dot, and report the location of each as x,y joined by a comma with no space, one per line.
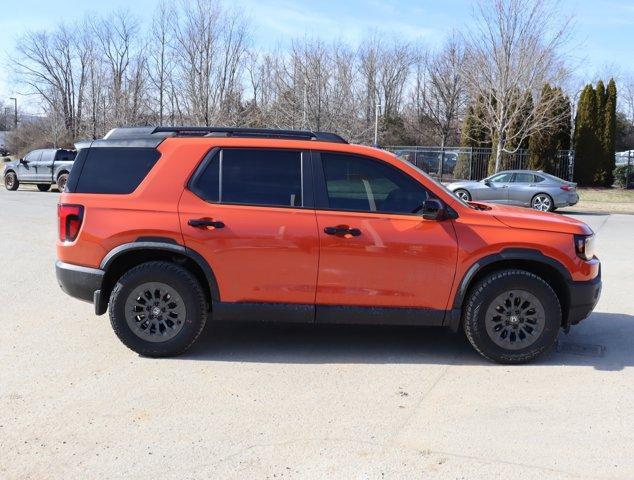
501,178
363,184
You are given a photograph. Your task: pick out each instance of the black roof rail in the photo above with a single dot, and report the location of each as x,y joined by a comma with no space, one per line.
129,133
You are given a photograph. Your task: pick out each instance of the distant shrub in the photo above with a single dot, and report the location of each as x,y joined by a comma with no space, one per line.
620,174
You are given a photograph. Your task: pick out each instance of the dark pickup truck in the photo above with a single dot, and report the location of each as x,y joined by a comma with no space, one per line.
41,167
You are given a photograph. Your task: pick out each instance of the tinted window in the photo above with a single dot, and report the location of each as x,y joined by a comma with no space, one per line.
207,185
501,178
253,177
115,170
363,184
65,155
538,179
523,178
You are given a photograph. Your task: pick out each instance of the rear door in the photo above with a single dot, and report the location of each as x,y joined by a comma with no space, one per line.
374,251
44,166
249,213
521,189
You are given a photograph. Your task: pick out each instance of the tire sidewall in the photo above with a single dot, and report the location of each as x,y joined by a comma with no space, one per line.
15,181
64,178
486,292
181,281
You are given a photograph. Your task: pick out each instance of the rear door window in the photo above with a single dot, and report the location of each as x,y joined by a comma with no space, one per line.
523,178
252,177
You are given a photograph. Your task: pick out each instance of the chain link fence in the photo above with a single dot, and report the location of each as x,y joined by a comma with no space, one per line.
466,163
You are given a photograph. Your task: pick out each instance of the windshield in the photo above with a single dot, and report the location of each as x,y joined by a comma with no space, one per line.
426,175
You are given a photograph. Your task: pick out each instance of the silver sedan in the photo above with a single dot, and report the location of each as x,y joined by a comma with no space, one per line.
524,188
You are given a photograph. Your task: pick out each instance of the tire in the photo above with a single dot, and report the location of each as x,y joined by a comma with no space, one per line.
11,181
186,296
61,182
542,202
43,187
463,194
483,306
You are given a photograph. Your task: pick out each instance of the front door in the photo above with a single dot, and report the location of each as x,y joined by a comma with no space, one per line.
249,213
496,189
374,251
27,170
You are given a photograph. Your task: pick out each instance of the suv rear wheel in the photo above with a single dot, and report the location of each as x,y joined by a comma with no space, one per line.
158,309
512,316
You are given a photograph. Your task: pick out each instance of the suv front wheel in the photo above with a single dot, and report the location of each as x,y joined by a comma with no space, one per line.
158,309
512,316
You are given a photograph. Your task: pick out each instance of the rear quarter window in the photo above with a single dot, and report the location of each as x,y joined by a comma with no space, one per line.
114,170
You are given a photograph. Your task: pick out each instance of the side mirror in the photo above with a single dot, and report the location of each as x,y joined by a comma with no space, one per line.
23,161
487,182
433,210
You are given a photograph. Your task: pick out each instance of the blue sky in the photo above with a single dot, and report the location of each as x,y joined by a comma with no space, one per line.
602,41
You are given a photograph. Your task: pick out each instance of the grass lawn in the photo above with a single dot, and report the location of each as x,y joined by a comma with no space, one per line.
612,200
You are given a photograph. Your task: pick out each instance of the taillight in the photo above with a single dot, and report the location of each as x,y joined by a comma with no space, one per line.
567,188
69,218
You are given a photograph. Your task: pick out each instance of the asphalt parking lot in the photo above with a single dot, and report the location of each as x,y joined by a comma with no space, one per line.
299,402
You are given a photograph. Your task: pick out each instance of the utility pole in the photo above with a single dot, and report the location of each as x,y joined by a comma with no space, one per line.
15,112
376,124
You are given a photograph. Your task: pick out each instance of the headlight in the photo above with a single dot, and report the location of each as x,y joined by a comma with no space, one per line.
584,246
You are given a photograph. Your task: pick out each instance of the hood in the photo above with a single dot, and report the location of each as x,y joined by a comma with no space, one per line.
529,219
10,164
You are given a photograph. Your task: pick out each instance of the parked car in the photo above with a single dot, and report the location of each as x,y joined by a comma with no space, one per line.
168,228
524,188
43,168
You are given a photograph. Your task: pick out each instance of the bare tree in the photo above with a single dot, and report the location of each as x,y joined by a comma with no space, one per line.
513,50
161,57
627,94
440,95
53,67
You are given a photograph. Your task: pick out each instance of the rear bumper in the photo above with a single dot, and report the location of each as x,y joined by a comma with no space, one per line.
79,282
567,200
583,298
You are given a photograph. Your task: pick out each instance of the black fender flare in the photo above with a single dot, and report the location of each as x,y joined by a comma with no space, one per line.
528,254
167,245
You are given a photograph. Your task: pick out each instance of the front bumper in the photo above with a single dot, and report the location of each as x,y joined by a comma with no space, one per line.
80,282
583,298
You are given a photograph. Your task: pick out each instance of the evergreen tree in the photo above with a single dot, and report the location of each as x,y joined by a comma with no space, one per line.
542,144
545,145
586,140
609,131
475,136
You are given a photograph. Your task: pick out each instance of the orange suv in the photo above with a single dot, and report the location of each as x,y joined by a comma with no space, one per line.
170,227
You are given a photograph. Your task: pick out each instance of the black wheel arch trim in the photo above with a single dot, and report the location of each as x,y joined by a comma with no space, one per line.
169,245
454,317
